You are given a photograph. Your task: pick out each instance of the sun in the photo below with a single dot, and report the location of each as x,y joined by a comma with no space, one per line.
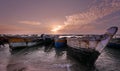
56,29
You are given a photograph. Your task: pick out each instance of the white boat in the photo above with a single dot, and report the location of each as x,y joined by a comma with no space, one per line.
88,48
19,42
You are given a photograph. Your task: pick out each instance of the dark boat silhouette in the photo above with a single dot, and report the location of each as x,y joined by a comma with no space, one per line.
114,43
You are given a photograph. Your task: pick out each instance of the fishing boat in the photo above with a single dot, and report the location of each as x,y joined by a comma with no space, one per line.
21,42
60,42
3,40
115,42
86,49
47,39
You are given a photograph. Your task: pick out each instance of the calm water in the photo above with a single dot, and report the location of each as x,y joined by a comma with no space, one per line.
46,59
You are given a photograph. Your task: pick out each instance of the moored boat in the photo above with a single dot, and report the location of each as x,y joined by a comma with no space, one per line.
47,39
21,42
3,40
16,42
60,42
115,42
87,48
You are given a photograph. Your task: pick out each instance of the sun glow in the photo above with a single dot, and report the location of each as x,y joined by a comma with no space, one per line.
56,29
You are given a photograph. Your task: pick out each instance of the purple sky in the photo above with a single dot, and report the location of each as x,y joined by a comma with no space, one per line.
58,16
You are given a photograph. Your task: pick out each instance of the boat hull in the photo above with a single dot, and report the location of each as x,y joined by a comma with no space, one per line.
60,43
15,43
113,45
84,56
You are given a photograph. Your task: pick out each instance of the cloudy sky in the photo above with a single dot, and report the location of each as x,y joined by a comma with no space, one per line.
58,16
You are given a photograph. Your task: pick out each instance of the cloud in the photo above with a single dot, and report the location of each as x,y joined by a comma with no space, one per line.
18,29
30,22
10,29
98,10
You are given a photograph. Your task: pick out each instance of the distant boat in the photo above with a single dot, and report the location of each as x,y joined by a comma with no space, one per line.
47,39
115,42
87,48
60,42
3,40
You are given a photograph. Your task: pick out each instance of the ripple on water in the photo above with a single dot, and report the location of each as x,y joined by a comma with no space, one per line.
39,60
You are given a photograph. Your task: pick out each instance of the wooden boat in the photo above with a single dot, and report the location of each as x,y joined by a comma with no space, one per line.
114,43
47,39
87,49
20,42
60,42
3,40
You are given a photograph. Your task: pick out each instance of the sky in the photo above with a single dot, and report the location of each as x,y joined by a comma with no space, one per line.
58,16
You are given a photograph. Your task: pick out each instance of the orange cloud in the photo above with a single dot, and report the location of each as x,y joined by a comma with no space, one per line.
57,28
30,22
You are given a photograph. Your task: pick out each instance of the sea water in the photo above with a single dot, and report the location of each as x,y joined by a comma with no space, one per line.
38,59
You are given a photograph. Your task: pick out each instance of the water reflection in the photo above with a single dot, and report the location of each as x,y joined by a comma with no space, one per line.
109,60
48,48
4,57
39,59
44,58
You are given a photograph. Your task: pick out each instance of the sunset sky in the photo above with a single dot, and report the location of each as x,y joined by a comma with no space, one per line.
58,16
